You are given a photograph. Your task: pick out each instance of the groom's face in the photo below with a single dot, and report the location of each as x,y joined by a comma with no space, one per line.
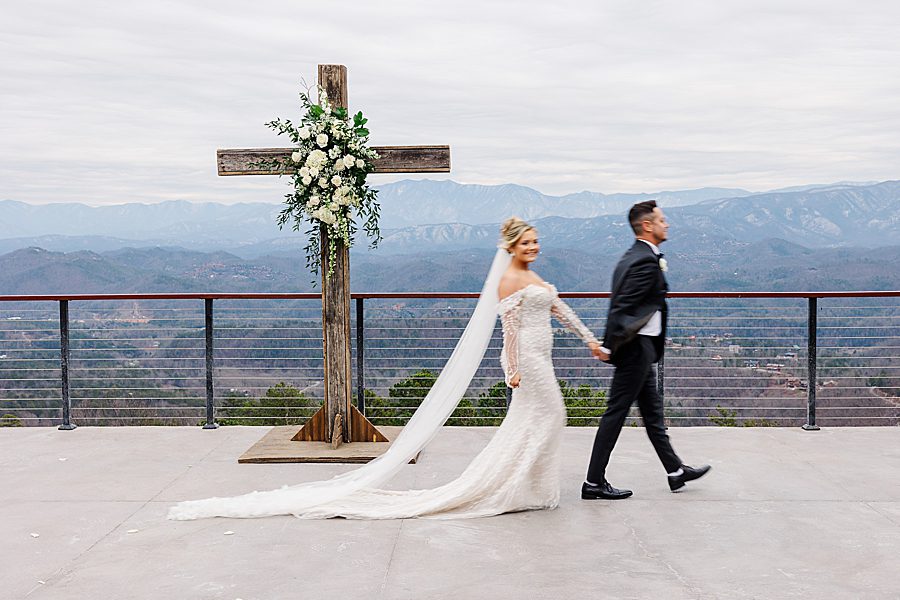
659,226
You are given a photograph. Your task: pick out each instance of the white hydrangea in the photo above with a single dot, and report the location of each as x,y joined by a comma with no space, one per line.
326,216
315,160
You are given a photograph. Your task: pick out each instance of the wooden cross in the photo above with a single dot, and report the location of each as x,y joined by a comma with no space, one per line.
328,423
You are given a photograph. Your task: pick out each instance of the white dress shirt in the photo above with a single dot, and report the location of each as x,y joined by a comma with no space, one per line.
654,326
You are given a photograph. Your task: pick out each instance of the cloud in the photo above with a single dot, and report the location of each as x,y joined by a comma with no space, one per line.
106,102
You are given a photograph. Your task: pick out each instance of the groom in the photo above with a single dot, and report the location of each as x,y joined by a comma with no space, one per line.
634,340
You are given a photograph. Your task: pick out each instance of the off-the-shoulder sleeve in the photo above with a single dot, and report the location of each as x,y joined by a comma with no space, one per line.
565,315
509,317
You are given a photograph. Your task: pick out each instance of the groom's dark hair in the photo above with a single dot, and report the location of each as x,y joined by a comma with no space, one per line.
639,213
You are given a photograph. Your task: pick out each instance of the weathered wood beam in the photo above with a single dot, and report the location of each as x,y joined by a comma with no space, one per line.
392,159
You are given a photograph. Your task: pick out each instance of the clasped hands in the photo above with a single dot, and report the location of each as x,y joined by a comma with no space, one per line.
597,352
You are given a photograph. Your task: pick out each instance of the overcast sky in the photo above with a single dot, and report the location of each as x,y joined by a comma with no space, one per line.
111,102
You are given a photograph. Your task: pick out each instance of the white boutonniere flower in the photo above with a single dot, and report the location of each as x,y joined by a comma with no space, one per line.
663,265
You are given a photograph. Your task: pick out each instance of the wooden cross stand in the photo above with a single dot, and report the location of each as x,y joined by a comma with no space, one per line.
328,424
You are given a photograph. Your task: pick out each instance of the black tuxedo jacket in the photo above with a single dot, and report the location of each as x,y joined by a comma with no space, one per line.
639,289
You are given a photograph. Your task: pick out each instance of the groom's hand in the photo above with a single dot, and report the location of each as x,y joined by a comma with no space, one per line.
598,353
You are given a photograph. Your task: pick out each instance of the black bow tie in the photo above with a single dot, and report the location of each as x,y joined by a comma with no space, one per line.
660,255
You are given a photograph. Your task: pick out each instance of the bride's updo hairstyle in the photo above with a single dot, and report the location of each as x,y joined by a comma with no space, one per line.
512,229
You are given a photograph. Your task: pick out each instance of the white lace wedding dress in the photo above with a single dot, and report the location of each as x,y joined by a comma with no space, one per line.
518,469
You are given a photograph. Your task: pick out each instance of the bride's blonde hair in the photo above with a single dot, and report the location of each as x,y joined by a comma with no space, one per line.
512,229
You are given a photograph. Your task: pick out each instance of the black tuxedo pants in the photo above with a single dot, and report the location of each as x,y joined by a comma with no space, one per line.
633,381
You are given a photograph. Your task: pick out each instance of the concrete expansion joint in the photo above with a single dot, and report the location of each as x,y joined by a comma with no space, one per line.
657,557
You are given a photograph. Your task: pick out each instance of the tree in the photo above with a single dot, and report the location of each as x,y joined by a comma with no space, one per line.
9,420
283,404
404,397
585,404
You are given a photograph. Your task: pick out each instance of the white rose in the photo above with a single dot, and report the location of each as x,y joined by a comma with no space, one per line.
663,265
360,163
336,180
303,132
314,172
322,140
339,164
322,182
314,201
304,171
334,206
296,157
306,180
334,153
349,160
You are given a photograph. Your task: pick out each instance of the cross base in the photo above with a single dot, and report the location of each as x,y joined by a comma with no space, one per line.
278,446
316,429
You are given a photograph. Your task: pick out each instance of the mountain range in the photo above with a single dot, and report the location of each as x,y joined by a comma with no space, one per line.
448,213
839,236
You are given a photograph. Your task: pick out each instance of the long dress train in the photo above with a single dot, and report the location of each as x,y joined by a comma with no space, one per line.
518,469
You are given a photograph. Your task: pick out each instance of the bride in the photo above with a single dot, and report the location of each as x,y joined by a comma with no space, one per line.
518,469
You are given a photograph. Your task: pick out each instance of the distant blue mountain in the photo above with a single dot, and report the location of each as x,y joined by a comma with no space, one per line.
443,215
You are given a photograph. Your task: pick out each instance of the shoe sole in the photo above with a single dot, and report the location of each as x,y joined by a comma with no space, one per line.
584,497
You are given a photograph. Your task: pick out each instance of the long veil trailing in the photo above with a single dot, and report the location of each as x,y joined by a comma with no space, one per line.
428,419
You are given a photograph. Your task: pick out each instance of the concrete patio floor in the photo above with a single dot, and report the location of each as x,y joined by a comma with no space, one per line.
784,514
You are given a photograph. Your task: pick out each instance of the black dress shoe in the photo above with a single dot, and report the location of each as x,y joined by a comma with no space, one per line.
676,482
603,491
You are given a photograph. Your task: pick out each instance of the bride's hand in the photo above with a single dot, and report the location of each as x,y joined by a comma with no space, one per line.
514,380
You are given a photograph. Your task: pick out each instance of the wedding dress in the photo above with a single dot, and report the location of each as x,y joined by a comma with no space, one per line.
518,469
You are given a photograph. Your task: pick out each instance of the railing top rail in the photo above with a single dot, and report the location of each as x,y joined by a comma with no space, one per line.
424,295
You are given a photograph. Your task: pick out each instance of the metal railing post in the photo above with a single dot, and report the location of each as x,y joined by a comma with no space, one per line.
64,365
360,357
210,392
811,330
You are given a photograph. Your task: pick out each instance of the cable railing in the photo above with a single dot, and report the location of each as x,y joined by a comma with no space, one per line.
732,359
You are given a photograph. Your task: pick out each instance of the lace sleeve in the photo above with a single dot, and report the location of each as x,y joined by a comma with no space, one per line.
565,315
509,318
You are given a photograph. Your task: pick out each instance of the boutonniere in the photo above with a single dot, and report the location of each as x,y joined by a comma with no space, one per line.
663,265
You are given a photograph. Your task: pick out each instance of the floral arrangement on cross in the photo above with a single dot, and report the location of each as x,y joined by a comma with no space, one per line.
328,174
